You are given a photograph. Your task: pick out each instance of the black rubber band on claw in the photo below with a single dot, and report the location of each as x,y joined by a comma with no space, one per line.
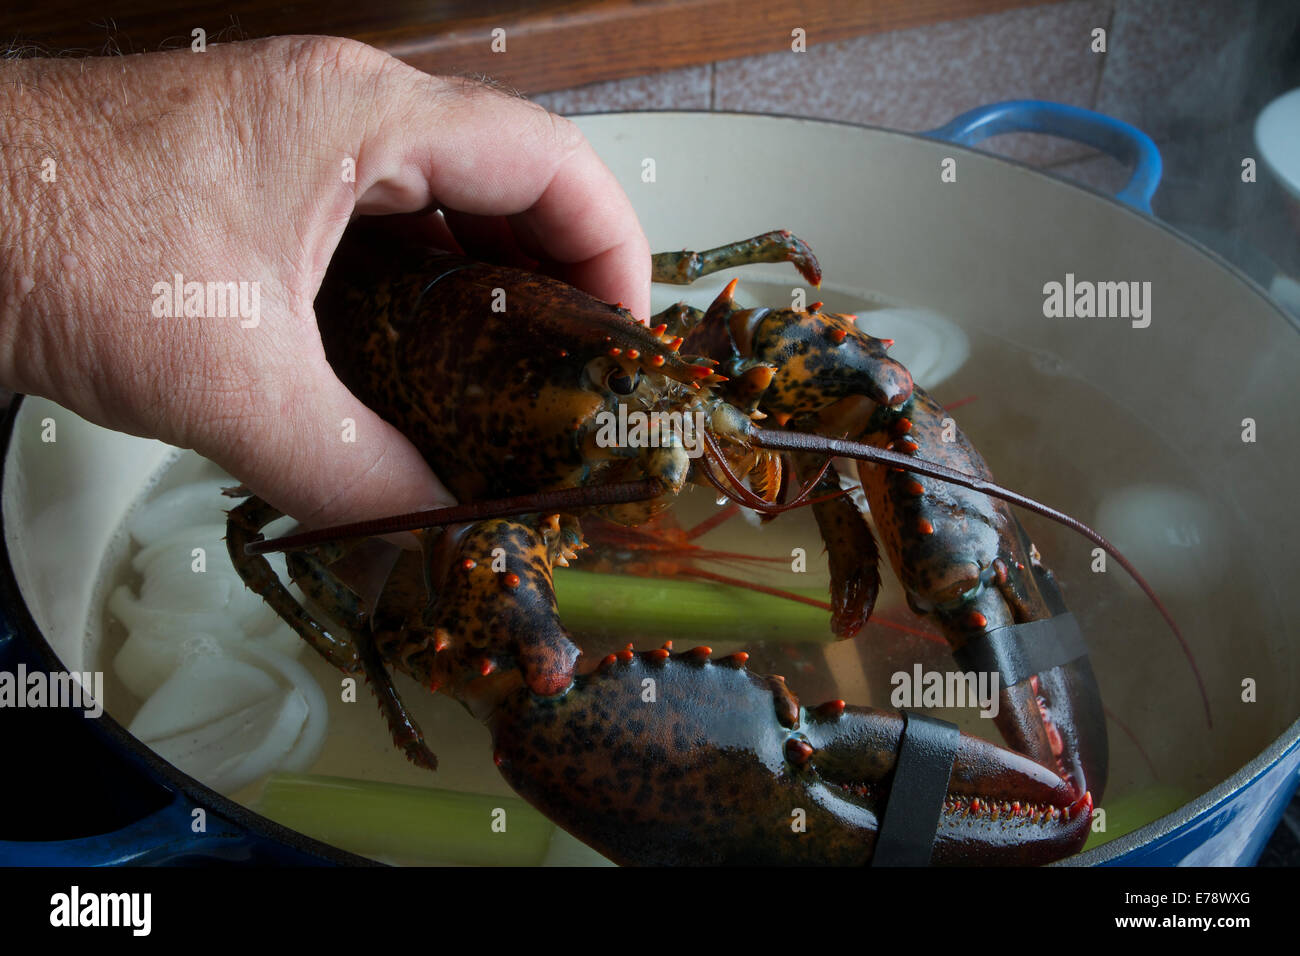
911,818
1019,651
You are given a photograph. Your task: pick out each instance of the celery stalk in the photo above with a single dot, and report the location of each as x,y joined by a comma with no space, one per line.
398,823
674,608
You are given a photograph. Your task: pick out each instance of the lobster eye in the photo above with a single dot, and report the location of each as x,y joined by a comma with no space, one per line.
621,383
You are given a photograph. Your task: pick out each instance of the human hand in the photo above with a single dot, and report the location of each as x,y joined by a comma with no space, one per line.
231,166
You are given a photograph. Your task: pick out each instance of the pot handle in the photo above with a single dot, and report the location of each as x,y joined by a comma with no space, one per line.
166,835
162,837
1114,137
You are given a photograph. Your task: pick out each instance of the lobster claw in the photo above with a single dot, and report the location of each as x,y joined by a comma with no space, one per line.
1001,807
679,759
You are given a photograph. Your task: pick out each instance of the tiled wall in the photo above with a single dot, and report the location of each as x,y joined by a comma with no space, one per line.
1191,73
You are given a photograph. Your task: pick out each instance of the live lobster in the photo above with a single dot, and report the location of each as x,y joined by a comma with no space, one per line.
501,378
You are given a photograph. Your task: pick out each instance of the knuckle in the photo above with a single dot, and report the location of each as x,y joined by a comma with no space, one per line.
458,94
549,134
334,56
473,85
565,133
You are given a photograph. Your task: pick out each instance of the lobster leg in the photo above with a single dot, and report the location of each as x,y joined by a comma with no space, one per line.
312,575
243,528
683,268
678,319
491,611
851,552
353,652
406,733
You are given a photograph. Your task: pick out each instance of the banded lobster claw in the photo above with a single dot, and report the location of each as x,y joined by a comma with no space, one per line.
656,757
725,766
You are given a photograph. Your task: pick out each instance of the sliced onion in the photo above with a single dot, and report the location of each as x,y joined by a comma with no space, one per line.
148,658
205,651
275,747
233,752
171,581
203,689
210,537
309,744
139,616
188,506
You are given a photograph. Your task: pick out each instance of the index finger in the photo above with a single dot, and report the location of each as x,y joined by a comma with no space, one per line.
466,147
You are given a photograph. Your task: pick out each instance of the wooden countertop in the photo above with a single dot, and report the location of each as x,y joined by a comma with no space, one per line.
553,44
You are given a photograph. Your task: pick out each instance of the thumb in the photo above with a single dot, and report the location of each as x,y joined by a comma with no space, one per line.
318,454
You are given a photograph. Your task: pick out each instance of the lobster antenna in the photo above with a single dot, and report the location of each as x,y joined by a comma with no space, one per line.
561,499
801,441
